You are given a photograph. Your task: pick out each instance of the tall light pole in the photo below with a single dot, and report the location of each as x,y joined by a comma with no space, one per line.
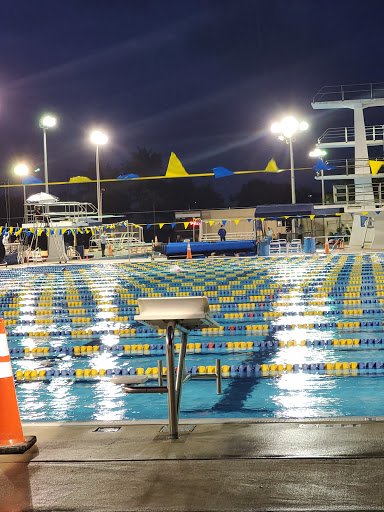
286,130
98,138
319,153
46,123
22,170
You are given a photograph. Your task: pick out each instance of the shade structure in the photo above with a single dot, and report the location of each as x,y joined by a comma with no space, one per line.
79,179
29,180
42,198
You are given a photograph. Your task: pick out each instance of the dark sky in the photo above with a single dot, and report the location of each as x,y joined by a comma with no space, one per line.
202,78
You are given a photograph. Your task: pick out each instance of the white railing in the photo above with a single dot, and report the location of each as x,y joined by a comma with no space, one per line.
346,194
347,134
350,92
214,237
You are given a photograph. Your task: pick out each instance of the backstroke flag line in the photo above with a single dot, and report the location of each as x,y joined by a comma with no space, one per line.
175,168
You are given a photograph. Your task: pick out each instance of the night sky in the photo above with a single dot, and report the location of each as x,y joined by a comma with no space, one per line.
202,78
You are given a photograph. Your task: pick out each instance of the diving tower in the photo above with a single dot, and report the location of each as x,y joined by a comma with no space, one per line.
356,97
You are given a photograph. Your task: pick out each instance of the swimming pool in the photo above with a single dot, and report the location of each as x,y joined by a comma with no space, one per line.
289,329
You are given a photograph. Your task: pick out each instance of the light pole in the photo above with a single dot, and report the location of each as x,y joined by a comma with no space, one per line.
319,153
22,170
98,138
46,123
286,130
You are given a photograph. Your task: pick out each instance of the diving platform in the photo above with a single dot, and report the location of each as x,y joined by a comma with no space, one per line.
344,137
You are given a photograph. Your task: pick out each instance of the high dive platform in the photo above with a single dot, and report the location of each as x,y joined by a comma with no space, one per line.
361,197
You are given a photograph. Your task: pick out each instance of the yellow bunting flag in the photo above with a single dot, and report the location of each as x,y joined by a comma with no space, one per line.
39,231
11,231
175,168
79,179
161,225
286,216
211,222
48,232
364,213
262,219
338,214
311,217
237,221
272,166
186,224
18,231
375,166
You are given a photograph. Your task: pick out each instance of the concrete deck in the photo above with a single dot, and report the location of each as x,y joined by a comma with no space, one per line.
334,464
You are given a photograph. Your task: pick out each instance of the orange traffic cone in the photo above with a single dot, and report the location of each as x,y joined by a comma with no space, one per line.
12,439
189,252
110,249
326,247
156,241
342,243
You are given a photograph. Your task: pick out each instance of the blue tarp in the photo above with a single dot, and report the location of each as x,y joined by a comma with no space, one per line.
180,248
268,211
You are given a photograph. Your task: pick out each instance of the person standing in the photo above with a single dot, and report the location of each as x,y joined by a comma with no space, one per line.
103,243
222,232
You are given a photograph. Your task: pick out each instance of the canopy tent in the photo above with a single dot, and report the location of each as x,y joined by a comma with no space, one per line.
42,198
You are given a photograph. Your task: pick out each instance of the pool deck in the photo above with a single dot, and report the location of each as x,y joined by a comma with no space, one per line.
320,464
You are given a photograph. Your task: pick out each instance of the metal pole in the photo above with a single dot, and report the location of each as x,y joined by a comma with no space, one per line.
45,160
293,191
25,205
218,376
160,372
98,183
172,412
181,370
322,188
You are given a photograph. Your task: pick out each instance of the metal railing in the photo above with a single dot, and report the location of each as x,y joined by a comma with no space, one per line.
372,90
347,194
214,237
61,211
347,134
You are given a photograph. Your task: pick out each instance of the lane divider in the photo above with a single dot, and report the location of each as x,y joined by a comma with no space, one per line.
272,370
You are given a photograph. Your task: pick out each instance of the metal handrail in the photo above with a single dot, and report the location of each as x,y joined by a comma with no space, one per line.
347,134
370,90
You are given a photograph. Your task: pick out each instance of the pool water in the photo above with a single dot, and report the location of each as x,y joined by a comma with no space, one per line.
302,315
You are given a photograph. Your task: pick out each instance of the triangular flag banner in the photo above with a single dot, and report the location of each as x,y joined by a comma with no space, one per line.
161,225
378,213
10,231
272,166
186,224
321,166
175,169
311,217
249,220
237,221
211,222
79,179
262,219
130,176
375,166
224,222
149,225
173,224
364,213
221,172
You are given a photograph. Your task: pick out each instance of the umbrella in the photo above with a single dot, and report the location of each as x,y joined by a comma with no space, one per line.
42,198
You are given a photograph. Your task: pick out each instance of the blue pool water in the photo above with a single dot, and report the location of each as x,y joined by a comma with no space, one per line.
323,304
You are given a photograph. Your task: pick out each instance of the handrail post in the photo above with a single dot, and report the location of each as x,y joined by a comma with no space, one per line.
218,377
160,372
172,412
181,371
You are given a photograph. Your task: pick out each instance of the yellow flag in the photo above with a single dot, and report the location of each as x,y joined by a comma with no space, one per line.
237,221
262,219
375,166
39,231
286,216
311,217
48,232
11,231
338,214
272,166
186,224
175,168
79,179
364,213
161,225
211,222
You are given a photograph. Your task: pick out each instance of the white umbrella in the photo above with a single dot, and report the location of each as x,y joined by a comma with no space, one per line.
42,198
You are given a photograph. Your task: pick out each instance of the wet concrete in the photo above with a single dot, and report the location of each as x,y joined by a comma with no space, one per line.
317,465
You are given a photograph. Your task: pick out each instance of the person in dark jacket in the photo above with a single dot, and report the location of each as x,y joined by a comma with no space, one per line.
222,233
